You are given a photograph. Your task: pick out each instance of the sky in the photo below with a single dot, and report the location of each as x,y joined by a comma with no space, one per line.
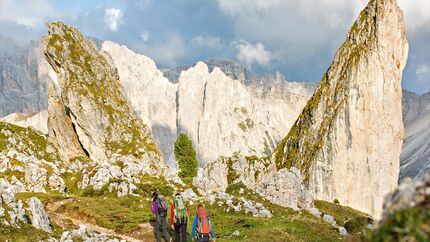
296,38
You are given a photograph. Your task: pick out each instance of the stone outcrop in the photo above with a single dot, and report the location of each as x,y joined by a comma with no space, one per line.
105,124
12,207
221,115
285,187
415,158
234,204
84,234
347,140
61,133
39,218
28,161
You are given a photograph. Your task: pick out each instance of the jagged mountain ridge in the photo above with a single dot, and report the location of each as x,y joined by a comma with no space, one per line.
237,72
415,157
221,115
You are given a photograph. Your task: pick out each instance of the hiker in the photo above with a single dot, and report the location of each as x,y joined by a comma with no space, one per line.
179,218
159,209
202,223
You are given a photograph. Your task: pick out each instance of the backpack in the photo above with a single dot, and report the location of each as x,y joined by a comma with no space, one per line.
180,210
204,226
161,205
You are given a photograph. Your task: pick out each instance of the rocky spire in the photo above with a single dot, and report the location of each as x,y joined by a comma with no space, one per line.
348,139
106,125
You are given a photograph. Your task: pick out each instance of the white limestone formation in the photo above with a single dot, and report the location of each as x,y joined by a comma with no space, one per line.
348,139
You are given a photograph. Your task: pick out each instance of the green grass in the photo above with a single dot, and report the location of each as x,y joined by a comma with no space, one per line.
119,214
355,222
285,225
340,213
43,197
125,214
25,233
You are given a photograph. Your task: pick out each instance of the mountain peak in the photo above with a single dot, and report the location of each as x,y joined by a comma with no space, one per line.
346,115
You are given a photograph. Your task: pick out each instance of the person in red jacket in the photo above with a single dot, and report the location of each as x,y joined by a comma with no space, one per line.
179,218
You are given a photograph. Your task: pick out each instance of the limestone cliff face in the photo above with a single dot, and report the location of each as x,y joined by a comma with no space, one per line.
61,133
348,139
151,95
90,91
221,115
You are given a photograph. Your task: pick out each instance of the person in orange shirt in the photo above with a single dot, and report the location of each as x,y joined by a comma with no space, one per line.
202,224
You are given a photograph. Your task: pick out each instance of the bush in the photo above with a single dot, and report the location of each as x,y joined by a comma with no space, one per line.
186,157
357,224
232,188
336,201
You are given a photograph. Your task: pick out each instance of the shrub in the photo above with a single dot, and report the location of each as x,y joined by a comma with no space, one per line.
336,201
357,224
186,157
232,188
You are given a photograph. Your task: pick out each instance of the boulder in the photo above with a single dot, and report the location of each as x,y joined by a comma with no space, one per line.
35,178
329,219
39,218
286,188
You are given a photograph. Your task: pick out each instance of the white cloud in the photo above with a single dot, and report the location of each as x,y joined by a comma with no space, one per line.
417,13
232,7
168,53
145,35
213,42
113,18
423,74
31,13
249,53
299,31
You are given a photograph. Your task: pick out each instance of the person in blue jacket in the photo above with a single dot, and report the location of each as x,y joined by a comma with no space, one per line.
202,225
